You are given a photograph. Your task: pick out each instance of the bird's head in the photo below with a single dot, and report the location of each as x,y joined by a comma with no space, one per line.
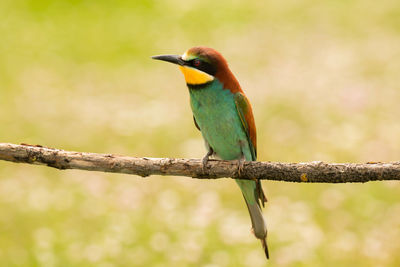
200,65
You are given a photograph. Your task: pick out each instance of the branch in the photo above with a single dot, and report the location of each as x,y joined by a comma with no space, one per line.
313,172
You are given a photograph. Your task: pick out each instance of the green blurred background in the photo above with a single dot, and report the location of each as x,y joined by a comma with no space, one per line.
324,81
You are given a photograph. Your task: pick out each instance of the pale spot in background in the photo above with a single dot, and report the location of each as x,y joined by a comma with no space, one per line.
139,255
46,258
11,190
39,199
234,229
331,198
220,258
345,242
64,199
192,244
44,242
159,241
89,209
113,246
294,253
254,258
120,229
44,238
93,252
128,196
207,210
106,264
193,148
168,200
18,256
74,251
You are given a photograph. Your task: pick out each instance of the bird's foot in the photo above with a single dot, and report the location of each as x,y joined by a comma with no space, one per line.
206,158
241,165
205,161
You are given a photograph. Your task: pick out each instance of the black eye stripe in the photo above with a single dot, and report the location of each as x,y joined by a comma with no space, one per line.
202,65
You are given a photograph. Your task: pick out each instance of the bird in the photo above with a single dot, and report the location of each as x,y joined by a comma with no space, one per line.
224,116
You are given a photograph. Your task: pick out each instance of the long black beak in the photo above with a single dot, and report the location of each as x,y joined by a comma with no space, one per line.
176,59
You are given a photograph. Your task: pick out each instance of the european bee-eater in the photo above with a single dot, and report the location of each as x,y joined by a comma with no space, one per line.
223,114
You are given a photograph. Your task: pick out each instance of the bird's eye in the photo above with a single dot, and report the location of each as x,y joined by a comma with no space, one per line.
196,62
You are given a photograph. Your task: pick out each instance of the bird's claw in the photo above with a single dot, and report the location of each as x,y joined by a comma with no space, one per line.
205,161
240,166
206,158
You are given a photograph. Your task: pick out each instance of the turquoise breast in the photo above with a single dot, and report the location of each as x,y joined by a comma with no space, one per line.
215,112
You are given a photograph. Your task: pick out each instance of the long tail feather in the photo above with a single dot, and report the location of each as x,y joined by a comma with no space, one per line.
265,247
252,194
257,220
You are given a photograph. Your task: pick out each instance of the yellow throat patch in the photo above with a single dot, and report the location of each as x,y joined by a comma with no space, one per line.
195,76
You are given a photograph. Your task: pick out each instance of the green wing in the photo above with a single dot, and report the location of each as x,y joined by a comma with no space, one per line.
246,116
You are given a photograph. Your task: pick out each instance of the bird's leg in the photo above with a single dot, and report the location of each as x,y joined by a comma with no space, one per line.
206,157
260,193
241,164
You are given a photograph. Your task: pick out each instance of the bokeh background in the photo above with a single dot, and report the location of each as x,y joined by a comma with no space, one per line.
324,81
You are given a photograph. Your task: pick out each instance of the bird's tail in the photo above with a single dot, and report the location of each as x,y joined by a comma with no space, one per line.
252,192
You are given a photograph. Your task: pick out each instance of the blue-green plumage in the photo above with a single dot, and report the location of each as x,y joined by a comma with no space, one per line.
216,114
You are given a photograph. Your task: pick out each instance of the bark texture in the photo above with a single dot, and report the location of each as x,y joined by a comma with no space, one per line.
312,172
